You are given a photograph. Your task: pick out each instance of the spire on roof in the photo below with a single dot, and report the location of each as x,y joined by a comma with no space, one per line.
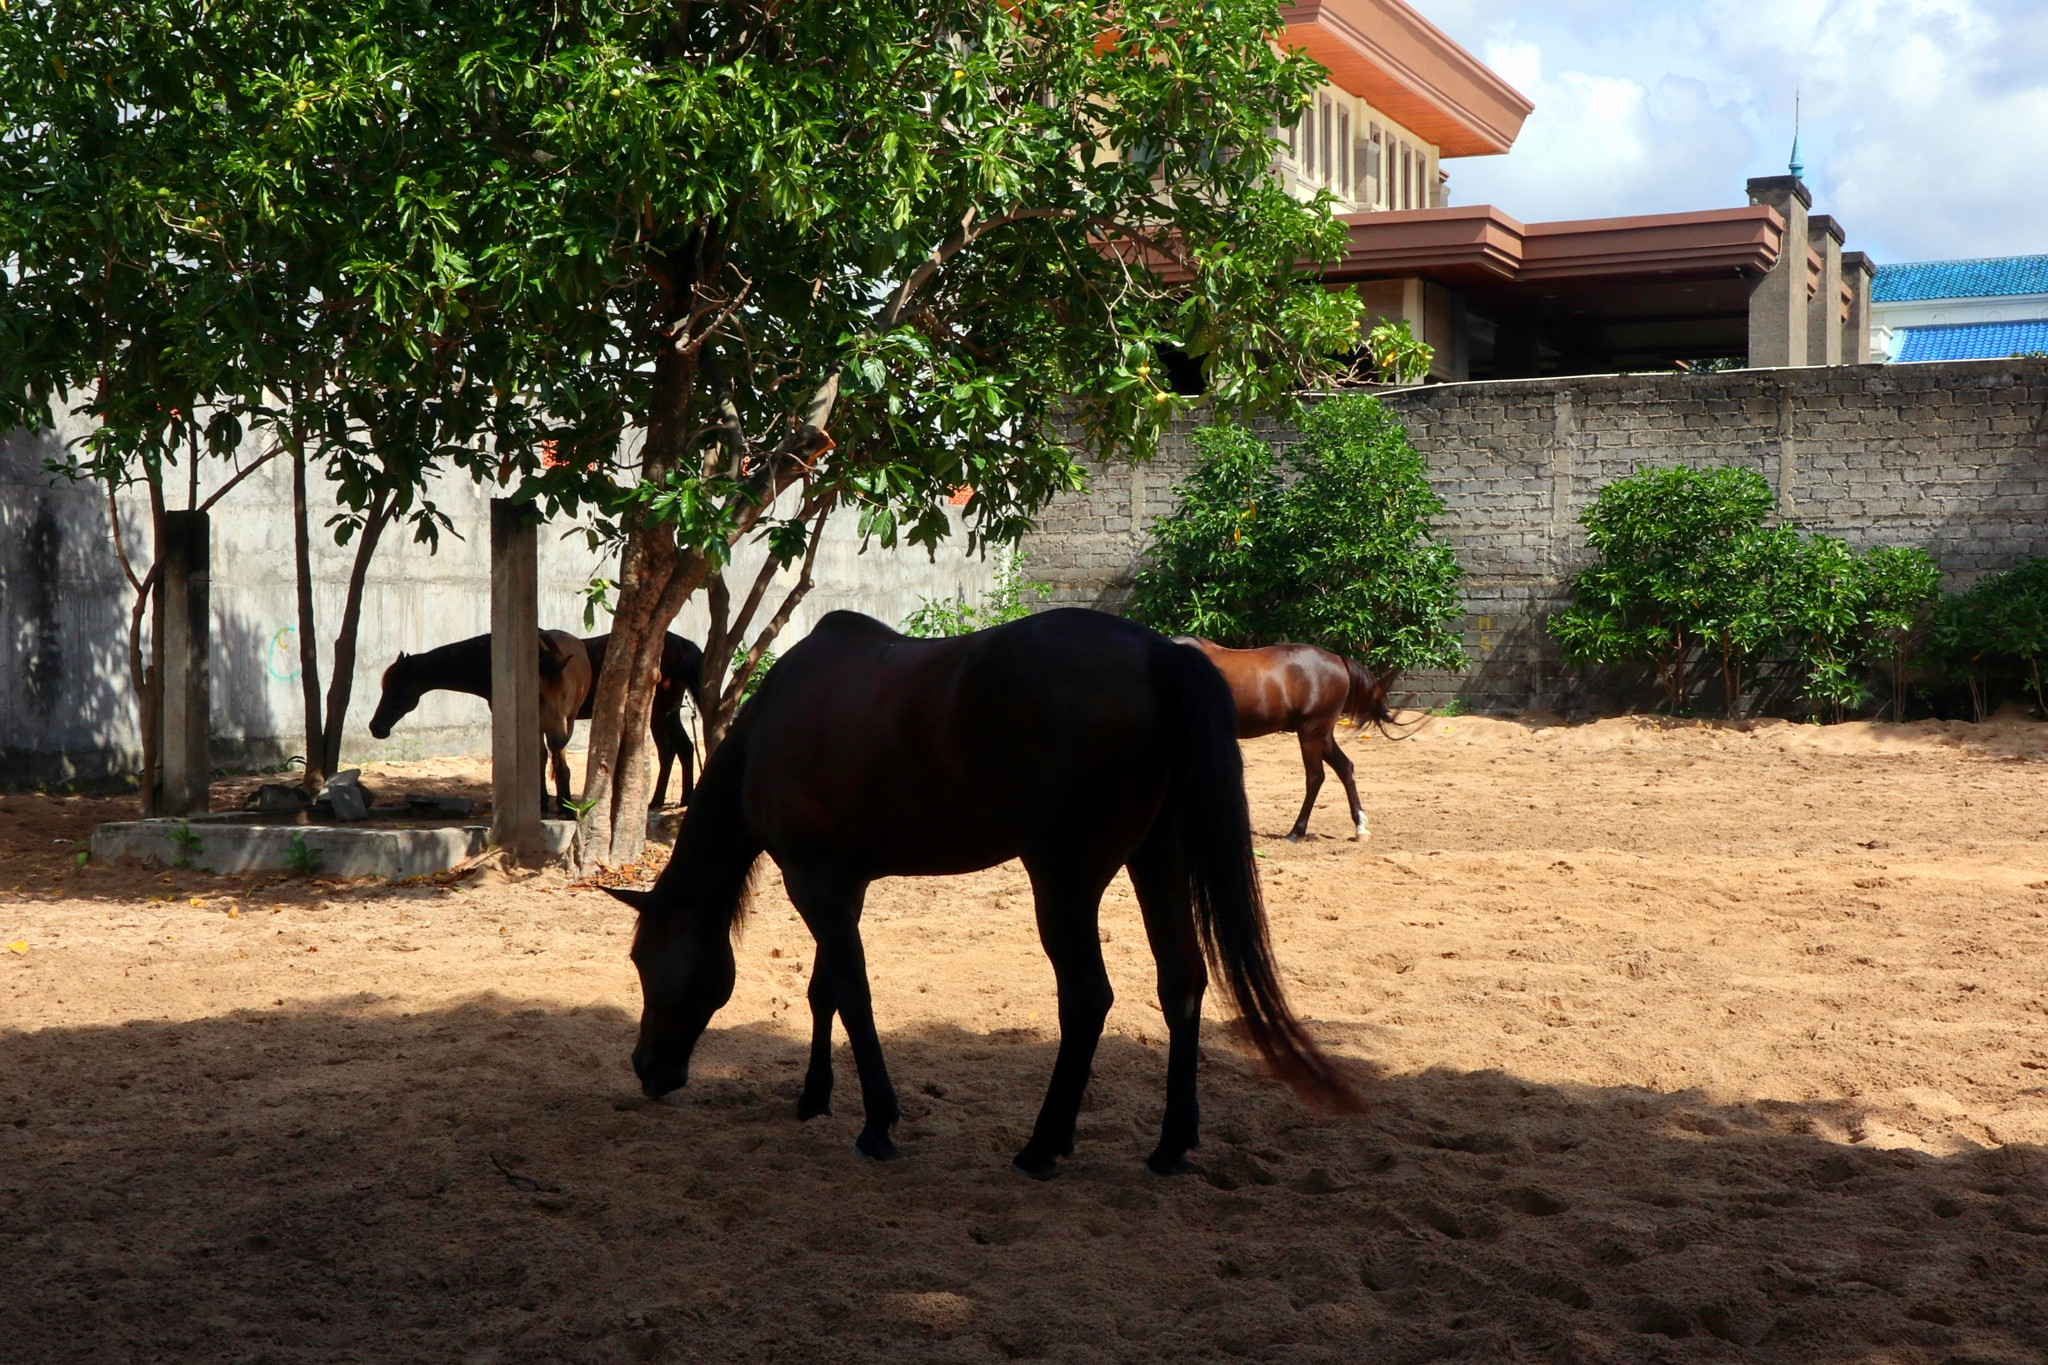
1797,167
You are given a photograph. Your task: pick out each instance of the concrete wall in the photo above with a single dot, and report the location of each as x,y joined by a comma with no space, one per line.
1950,457
67,711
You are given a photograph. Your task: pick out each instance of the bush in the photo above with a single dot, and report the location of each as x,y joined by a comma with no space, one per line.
2000,623
1685,562
1329,545
1689,566
936,616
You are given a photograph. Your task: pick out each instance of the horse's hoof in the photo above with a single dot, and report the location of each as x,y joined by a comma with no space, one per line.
875,1147
1362,835
1296,837
814,1102
1164,1163
1035,1165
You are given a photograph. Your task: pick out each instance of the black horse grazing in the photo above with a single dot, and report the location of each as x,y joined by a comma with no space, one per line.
1076,741
465,666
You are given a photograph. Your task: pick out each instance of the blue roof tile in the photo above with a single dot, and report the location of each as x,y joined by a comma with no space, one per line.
1973,340
1960,279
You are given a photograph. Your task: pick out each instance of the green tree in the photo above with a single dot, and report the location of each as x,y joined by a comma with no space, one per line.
1822,604
1671,543
207,239
1332,548
2019,619
815,255
865,255
1900,584
1963,640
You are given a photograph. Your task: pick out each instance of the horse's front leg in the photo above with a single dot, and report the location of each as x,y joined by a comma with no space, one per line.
817,1096
831,906
557,742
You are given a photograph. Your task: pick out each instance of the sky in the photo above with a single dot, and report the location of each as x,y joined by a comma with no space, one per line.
1924,123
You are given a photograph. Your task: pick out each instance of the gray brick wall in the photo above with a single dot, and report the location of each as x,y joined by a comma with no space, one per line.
1950,457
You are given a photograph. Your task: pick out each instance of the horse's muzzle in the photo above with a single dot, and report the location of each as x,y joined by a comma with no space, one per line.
659,1078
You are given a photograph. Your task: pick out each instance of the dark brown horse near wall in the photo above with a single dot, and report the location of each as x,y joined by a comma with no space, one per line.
465,666
1075,740
1305,690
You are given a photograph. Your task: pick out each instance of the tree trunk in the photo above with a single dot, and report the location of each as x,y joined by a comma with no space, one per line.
611,830
342,682
723,696
656,580
309,639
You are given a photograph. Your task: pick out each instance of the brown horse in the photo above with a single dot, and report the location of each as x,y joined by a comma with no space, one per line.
1074,740
465,666
565,686
1302,689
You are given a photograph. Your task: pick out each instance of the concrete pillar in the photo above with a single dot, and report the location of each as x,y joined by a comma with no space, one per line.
515,681
1824,309
1777,302
1857,272
186,698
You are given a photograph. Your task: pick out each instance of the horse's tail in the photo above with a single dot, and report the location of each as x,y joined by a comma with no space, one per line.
1366,700
1206,804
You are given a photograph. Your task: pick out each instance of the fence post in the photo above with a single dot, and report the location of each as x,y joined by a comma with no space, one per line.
515,681
186,691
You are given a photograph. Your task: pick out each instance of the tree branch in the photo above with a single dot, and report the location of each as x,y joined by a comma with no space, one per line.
240,475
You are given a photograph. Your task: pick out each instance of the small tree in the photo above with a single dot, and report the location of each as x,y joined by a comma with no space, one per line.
1900,585
2019,619
1670,545
1822,606
1744,588
1006,601
1334,549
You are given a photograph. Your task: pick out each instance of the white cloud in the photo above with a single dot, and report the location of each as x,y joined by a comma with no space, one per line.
1925,122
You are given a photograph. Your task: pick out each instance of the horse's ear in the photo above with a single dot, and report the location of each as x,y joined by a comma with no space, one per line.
643,901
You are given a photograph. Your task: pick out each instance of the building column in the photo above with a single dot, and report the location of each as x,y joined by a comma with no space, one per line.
186,697
1777,302
1824,309
1857,273
516,776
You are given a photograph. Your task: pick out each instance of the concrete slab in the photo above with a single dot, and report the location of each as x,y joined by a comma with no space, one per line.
226,843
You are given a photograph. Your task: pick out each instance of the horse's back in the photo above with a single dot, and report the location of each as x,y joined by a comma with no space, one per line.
941,755
1279,687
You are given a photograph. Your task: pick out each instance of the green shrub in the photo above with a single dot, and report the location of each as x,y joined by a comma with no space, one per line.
1329,544
936,616
2000,622
1900,586
1685,562
1689,566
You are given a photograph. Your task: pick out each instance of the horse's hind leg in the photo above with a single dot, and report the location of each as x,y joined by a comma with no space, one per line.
665,727
1067,917
817,1096
1313,742
1162,887
830,905
1341,761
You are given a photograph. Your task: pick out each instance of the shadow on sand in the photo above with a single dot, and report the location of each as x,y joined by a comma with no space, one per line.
483,1183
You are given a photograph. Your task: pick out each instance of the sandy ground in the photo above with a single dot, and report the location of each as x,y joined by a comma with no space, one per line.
1684,1043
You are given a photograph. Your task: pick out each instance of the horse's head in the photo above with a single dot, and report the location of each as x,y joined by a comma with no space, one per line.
686,976
401,694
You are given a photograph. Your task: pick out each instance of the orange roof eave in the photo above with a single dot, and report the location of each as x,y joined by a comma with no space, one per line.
1408,68
1480,238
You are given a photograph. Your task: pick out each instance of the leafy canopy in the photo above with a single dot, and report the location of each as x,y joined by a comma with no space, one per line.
1329,544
